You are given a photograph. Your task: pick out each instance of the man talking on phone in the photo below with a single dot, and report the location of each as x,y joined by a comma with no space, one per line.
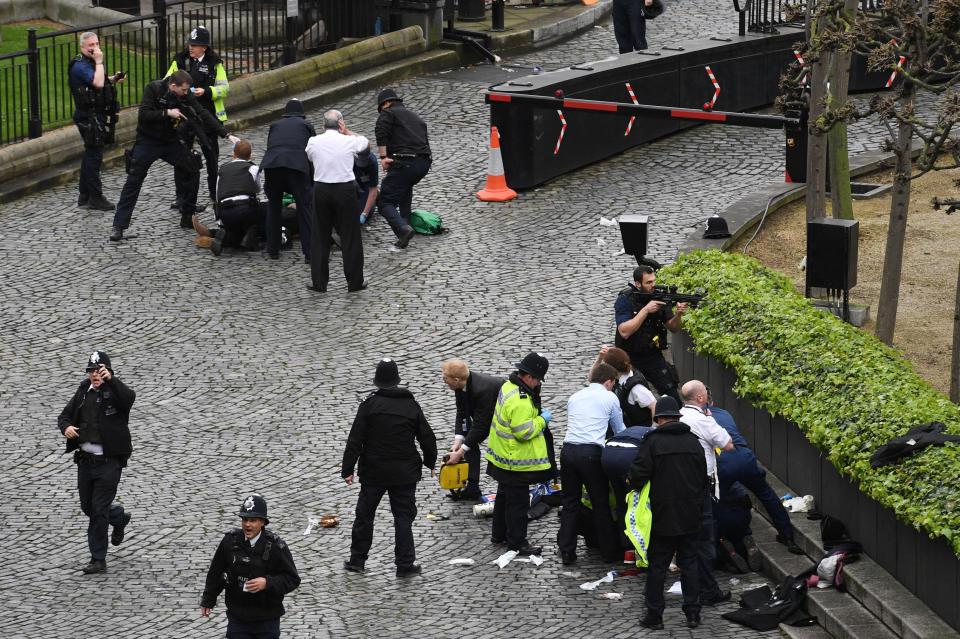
95,425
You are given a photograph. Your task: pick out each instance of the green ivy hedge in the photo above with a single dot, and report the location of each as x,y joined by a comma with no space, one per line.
847,391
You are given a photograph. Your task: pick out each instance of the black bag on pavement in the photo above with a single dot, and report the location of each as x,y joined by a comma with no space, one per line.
761,609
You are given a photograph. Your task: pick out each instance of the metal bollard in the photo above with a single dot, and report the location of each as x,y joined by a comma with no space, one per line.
497,11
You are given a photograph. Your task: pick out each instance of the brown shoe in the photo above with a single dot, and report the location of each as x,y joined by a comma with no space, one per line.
199,227
203,241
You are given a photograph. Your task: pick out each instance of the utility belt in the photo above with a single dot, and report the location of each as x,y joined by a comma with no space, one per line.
231,204
411,156
83,457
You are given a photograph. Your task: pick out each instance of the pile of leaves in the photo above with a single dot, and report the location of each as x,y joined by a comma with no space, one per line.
847,391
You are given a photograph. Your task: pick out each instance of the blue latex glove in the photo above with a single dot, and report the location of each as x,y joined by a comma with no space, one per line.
363,218
547,416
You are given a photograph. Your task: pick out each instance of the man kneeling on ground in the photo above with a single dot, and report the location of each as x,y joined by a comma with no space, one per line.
240,215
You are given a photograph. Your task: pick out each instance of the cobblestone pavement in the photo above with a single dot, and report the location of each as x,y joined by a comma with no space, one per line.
246,381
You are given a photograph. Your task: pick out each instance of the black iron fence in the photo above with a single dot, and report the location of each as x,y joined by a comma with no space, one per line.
249,35
766,16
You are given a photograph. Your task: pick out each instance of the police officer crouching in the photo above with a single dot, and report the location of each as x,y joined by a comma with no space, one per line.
256,569
241,215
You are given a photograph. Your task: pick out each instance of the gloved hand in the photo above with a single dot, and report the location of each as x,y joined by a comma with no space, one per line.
363,218
547,416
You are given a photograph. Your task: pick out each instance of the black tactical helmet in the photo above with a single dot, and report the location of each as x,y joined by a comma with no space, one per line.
534,364
199,36
254,506
387,94
98,359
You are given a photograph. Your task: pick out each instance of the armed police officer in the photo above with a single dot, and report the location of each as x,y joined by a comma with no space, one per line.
95,425
169,115
210,87
642,325
96,113
256,569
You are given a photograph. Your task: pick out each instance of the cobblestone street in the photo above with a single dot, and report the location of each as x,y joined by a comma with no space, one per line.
246,381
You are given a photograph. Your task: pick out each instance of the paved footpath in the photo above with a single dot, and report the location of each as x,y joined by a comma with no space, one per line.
246,381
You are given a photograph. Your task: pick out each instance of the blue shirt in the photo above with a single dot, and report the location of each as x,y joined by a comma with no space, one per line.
81,74
589,412
725,419
366,173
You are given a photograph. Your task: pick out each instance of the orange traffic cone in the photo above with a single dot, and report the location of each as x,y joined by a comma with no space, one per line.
497,189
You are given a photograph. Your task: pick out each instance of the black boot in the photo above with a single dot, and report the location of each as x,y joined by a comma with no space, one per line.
100,203
652,621
82,200
406,234
116,234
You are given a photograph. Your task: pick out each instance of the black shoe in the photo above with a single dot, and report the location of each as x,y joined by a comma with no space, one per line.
82,200
718,597
217,245
754,560
273,256
116,234
95,567
652,621
175,205
311,287
790,544
353,567
406,234
116,537
497,541
693,619
409,571
354,289
186,221
527,550
471,495
568,558
732,559
100,203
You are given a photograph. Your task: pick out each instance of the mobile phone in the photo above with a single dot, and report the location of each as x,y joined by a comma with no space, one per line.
121,75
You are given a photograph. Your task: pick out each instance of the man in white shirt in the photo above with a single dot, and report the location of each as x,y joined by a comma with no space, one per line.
590,412
696,415
335,202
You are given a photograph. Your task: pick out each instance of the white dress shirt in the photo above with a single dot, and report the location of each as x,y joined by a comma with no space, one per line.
589,412
712,435
331,153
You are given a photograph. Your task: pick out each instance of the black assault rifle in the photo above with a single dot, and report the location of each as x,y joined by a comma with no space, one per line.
666,294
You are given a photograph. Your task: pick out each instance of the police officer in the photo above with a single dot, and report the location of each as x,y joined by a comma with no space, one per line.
405,156
642,331
240,214
256,569
210,87
286,169
169,116
519,452
95,115
95,424
367,176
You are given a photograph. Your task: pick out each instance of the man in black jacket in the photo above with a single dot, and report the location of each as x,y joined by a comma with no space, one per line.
287,170
671,458
256,568
476,396
405,157
95,424
381,438
168,114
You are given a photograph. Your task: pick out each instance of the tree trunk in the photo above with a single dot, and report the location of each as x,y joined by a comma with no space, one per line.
841,199
955,356
897,230
816,196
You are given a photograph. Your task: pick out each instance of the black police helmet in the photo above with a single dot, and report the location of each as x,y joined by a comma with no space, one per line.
387,94
667,407
98,359
716,228
254,507
387,375
534,364
199,36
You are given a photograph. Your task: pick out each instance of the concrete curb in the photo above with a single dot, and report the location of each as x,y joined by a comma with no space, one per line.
539,37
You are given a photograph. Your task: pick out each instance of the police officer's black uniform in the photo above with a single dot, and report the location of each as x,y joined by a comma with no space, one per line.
287,170
241,216
96,114
101,416
251,614
647,344
404,134
160,137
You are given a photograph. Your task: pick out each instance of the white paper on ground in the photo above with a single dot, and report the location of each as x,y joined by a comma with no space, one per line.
574,575
536,560
505,558
461,561
311,522
592,585
611,222
675,589
614,596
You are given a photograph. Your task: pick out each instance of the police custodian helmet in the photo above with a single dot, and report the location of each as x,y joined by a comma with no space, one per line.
254,507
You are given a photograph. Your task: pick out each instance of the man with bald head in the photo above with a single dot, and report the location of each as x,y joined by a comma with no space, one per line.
696,415
335,202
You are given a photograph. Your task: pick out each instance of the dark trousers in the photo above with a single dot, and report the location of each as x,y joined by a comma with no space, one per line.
145,153
658,372
237,218
211,157
269,629
706,550
510,514
90,184
335,207
472,457
629,25
741,465
277,182
97,484
580,466
659,554
396,190
403,504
